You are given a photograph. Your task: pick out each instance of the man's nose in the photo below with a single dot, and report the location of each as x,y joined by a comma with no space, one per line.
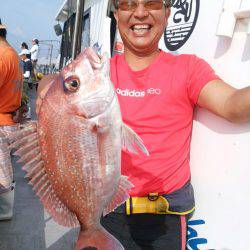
141,11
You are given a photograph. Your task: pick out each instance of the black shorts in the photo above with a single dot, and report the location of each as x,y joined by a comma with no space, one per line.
147,231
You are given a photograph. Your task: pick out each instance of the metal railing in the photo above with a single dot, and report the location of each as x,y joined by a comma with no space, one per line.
48,57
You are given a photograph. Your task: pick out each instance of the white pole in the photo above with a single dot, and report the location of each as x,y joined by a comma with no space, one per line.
79,9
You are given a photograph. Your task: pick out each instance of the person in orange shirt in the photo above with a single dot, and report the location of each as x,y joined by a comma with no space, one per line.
10,101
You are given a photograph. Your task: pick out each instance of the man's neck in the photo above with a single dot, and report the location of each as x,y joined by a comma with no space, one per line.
139,62
3,40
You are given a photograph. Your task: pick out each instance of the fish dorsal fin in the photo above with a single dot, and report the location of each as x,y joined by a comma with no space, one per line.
131,141
26,143
120,196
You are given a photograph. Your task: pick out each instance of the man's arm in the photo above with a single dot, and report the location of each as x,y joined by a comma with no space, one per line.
33,49
226,101
3,72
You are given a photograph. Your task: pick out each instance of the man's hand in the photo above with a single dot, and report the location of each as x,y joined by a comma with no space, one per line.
43,87
95,60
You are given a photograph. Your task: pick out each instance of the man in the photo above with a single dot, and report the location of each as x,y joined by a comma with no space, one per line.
27,66
10,100
28,82
34,56
159,107
23,46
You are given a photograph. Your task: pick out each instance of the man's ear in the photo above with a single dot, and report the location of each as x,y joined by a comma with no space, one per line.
167,14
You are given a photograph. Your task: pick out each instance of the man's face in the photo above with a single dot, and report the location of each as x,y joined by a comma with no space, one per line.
142,28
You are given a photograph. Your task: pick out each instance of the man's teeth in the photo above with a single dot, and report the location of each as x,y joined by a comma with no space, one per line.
140,27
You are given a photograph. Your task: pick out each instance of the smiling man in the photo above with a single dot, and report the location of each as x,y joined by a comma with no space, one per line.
158,92
167,90
141,30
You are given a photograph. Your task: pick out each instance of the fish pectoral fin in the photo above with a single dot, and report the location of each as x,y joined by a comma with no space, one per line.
131,141
25,142
120,196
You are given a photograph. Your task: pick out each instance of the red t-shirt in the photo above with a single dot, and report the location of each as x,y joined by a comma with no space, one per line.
157,103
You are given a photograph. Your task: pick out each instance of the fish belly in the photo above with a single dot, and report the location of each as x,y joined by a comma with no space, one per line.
81,165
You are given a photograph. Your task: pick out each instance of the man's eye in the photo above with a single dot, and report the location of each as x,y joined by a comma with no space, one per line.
127,5
72,85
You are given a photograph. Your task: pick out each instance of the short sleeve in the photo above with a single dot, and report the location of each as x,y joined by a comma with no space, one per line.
200,73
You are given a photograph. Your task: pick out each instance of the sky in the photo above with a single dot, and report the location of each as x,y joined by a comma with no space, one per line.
28,19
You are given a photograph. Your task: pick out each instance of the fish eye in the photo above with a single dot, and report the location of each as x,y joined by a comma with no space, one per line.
72,84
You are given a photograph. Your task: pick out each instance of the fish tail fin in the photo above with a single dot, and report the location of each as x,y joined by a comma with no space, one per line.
97,239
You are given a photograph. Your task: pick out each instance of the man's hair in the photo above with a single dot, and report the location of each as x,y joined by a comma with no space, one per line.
24,45
3,33
36,41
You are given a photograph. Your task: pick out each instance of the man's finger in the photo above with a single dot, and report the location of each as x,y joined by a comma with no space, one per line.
94,59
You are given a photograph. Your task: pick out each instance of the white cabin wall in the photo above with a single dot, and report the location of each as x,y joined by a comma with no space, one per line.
89,3
220,156
100,24
226,55
245,4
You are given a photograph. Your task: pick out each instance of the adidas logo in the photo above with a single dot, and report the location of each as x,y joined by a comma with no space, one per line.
130,93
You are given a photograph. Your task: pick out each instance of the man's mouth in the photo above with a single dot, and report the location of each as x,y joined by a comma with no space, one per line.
141,29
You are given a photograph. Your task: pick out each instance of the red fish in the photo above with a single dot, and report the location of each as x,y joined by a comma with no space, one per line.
72,153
